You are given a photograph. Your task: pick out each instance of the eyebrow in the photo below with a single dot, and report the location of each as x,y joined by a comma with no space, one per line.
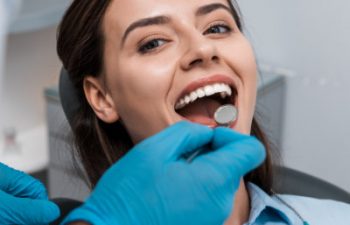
203,10
160,20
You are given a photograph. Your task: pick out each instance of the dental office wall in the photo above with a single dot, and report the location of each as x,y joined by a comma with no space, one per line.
311,38
31,64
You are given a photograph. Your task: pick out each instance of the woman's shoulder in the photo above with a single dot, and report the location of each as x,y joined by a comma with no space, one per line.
319,211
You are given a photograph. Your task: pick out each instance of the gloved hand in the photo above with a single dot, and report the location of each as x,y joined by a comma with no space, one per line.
153,185
23,199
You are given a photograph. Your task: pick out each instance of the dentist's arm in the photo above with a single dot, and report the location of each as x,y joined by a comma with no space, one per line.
153,185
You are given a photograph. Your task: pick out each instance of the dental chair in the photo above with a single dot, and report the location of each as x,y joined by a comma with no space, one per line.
288,181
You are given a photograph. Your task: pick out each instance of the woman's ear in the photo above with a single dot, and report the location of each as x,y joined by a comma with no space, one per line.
100,100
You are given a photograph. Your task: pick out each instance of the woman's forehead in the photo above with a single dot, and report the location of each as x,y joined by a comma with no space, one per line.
121,13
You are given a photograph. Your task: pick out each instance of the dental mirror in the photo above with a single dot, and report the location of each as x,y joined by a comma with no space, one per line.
225,115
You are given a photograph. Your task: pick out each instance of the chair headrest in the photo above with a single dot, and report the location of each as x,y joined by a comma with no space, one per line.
68,96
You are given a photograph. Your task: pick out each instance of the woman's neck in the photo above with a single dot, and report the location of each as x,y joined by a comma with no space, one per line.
241,210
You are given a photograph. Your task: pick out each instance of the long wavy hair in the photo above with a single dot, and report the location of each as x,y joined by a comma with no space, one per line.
80,46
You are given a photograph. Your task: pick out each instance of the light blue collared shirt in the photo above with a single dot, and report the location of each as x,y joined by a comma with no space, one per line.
269,210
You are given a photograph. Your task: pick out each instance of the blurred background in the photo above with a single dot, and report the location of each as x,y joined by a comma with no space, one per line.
305,43
311,38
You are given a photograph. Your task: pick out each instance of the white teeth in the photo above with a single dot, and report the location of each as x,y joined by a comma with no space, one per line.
187,99
223,94
193,96
217,86
228,90
200,93
207,90
182,102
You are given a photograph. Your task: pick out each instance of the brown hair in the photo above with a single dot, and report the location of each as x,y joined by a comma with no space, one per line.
80,46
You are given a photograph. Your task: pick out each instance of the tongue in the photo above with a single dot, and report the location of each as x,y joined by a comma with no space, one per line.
201,111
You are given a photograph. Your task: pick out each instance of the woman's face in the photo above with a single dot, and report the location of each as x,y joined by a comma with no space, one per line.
157,52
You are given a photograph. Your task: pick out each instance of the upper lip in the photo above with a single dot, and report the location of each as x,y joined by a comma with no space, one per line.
218,78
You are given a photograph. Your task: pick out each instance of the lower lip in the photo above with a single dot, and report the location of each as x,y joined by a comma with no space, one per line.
212,123
232,125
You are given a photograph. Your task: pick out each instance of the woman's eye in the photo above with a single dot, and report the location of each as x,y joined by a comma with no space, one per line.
151,45
218,28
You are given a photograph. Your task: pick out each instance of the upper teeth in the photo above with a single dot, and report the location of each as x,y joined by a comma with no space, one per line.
201,92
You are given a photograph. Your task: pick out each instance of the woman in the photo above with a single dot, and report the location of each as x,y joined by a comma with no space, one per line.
141,66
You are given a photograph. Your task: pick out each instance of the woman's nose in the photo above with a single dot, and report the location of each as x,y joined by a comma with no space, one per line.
200,52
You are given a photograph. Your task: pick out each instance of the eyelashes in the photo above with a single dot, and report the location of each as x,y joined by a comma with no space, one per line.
218,28
153,44
150,45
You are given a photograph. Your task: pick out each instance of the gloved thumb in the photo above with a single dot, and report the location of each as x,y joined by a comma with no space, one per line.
20,184
234,152
32,211
171,143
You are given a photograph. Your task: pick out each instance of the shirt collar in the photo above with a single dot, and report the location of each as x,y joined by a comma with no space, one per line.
260,200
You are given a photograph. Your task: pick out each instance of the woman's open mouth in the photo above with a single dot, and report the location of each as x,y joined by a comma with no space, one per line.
199,104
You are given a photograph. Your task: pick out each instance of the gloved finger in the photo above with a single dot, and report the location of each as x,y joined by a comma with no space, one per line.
224,136
20,184
234,154
27,211
176,140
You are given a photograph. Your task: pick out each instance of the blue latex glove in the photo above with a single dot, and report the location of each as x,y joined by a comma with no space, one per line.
23,199
153,185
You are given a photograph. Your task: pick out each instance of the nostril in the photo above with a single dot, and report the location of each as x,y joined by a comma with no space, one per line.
200,61
196,62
